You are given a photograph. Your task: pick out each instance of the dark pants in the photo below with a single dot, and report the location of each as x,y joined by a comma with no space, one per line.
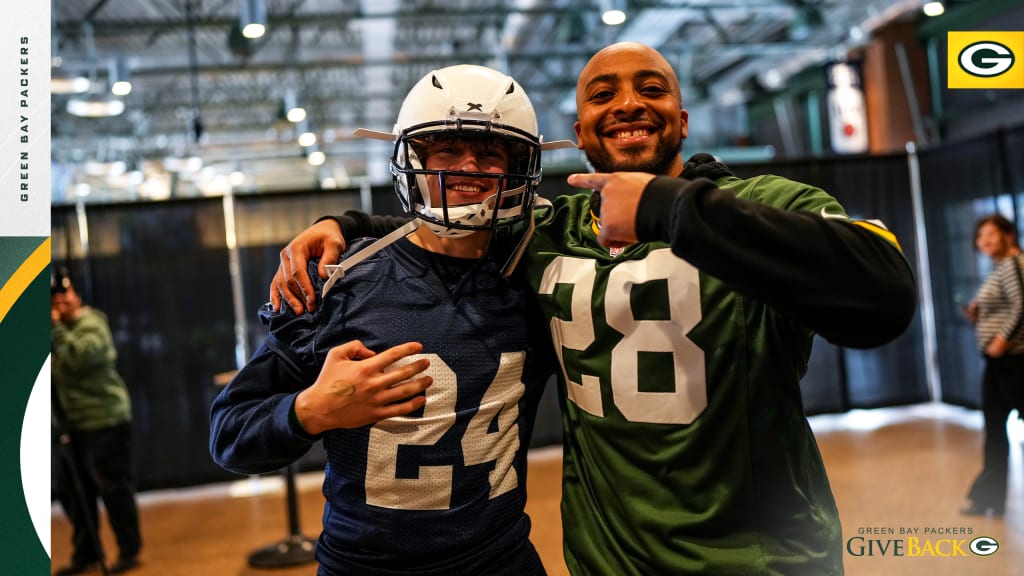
1002,389
103,467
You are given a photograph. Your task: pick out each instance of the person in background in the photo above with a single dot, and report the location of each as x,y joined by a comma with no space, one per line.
426,475
94,420
997,312
682,302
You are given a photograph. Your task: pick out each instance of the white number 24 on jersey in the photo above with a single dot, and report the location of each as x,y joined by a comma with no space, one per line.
432,488
688,397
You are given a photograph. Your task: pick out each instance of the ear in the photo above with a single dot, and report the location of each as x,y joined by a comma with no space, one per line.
684,124
579,140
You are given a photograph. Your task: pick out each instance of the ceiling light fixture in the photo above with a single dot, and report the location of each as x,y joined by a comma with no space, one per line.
316,158
240,45
183,164
293,112
97,168
120,81
307,138
771,79
252,18
62,82
95,106
934,7
296,114
613,12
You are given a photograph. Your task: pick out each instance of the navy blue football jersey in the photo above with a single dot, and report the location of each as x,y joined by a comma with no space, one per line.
443,490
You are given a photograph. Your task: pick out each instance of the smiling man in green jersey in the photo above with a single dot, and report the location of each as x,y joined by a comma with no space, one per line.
682,307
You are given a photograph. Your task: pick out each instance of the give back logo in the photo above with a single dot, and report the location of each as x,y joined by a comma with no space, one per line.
920,541
985,59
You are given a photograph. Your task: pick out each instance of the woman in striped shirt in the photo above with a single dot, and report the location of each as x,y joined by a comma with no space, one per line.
997,313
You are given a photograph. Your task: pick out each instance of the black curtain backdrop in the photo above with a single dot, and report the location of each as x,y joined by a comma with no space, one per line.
962,182
161,273
875,187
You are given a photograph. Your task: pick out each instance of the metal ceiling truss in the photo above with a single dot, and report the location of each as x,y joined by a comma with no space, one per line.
319,49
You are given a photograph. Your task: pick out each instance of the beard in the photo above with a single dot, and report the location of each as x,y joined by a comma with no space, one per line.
659,163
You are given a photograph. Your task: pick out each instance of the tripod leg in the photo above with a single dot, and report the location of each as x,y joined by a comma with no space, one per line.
80,497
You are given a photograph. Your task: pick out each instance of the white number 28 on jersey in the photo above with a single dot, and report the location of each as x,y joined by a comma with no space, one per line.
432,488
688,397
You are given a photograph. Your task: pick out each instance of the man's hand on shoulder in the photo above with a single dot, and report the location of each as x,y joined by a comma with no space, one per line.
291,282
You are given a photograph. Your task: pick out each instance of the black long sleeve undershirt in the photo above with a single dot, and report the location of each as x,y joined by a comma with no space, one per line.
355,224
837,278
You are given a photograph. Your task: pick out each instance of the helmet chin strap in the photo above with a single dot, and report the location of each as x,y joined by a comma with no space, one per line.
338,270
470,215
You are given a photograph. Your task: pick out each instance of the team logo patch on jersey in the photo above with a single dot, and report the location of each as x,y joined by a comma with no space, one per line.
836,216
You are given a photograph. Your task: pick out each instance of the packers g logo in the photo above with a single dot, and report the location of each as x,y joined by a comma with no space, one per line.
984,546
985,59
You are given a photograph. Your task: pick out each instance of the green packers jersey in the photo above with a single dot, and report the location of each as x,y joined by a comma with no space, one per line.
686,449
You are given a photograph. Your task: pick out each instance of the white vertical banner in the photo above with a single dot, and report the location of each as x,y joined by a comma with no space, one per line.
847,117
25,119
25,432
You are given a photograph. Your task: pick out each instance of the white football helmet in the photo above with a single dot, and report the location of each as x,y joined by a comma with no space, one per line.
475,103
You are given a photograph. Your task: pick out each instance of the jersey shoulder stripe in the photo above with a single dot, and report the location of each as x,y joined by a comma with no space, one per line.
788,194
880,230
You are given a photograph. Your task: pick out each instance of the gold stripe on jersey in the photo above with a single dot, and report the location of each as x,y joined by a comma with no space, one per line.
880,231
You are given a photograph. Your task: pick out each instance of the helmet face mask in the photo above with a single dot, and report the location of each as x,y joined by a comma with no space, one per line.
481,109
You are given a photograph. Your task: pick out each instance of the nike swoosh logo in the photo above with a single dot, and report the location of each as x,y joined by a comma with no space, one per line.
825,214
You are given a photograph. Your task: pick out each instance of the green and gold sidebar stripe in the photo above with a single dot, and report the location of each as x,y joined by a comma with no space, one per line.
24,348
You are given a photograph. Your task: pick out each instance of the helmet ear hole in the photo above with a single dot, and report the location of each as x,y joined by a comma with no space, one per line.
419,191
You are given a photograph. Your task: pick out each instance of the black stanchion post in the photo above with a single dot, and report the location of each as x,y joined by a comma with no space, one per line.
295,549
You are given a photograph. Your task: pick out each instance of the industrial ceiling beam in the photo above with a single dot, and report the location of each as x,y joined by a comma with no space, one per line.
406,59
119,27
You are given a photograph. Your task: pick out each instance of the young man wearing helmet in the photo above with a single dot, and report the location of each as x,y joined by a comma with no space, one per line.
682,308
425,475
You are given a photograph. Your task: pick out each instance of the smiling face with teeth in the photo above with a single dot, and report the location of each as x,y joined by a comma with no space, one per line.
455,153
630,111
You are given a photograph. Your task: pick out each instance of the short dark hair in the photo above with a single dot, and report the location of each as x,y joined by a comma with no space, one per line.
60,280
1002,223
